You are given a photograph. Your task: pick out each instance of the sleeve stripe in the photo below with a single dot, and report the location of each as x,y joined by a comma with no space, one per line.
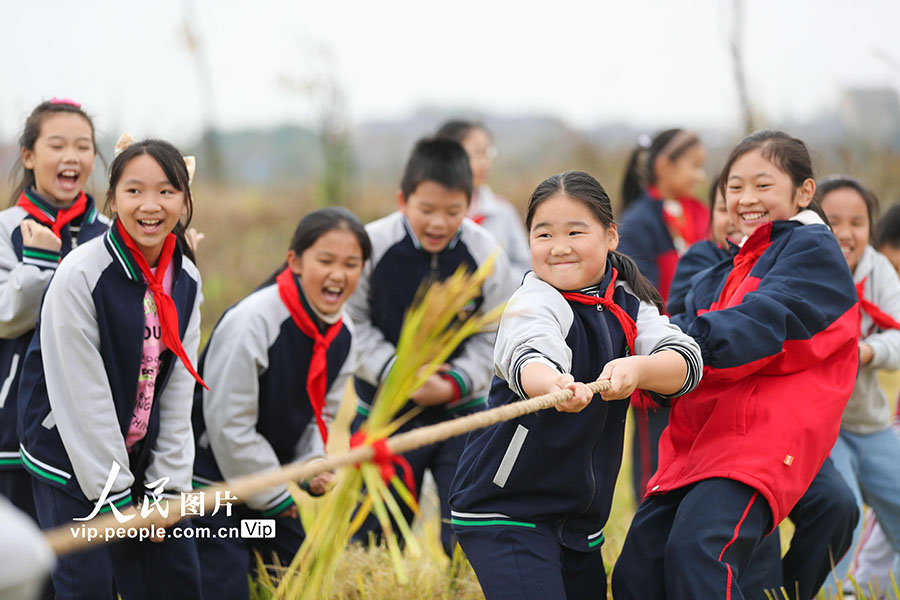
694,368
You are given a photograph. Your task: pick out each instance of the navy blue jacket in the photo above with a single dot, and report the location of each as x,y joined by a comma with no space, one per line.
550,469
699,257
24,275
80,377
391,278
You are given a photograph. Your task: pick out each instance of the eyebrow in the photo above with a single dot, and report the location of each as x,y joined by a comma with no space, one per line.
760,174
62,137
134,181
566,224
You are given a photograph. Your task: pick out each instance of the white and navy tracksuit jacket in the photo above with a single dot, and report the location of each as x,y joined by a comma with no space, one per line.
80,377
549,470
398,268
24,275
256,415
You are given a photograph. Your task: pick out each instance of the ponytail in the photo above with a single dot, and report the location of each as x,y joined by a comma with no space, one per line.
635,178
640,285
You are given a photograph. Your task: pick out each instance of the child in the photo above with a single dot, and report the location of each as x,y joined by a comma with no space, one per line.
489,210
277,365
778,333
105,397
661,220
49,215
428,239
531,496
876,558
705,253
867,451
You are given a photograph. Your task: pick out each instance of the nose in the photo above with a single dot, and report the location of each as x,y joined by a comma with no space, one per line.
560,248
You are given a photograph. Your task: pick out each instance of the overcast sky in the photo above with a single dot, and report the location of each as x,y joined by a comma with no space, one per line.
649,62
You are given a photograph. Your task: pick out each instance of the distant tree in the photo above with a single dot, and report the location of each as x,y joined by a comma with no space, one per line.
212,149
737,65
332,126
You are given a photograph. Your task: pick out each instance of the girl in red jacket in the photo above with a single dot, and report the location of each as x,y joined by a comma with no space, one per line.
777,327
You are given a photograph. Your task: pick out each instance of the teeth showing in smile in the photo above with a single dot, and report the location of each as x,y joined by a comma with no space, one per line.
149,222
752,216
69,173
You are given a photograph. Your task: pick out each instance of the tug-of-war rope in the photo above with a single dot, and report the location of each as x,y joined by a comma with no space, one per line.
436,324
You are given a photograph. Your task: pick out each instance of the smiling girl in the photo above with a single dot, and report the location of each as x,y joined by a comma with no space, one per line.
777,326
105,398
531,496
867,450
277,364
50,216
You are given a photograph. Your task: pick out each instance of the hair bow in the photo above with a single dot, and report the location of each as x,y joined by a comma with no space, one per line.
126,140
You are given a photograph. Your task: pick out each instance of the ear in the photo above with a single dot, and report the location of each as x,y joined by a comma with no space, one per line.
27,158
805,193
612,236
401,202
112,202
294,263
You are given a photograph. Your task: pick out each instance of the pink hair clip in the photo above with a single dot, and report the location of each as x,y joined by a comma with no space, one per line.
55,100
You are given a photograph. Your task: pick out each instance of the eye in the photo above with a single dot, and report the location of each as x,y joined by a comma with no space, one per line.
132,191
574,233
734,188
543,236
56,146
763,186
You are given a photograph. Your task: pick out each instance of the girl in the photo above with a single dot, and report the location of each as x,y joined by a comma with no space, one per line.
876,558
48,216
662,218
277,364
531,496
487,209
105,398
778,334
867,451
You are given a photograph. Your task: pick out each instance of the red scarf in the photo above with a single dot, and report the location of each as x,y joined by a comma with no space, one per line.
165,306
627,323
879,317
317,375
63,216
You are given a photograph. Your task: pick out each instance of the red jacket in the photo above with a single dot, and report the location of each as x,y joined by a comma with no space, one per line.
779,342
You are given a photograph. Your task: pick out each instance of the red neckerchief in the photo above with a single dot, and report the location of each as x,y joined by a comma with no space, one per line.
640,398
753,248
165,306
37,209
879,317
678,225
627,323
317,375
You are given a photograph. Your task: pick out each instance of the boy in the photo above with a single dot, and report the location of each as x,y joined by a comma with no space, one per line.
427,240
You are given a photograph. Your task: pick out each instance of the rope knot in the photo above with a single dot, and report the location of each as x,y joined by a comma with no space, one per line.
385,459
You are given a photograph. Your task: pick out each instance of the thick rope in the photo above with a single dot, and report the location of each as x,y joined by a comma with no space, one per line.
63,542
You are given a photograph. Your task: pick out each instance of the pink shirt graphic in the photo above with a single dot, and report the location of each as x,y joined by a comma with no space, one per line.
153,347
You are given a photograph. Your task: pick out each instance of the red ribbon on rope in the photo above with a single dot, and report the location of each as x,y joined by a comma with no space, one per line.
385,459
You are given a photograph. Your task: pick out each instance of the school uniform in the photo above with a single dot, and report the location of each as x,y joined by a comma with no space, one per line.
867,450
77,399
699,257
390,280
778,334
531,496
24,274
825,513
257,416
655,232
